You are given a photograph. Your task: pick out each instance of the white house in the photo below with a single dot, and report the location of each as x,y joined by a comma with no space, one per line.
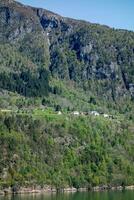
95,113
76,113
106,115
59,113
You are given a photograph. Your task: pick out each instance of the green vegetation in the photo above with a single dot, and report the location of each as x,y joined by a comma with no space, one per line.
50,64
75,65
65,150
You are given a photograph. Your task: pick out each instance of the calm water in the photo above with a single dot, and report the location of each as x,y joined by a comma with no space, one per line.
118,195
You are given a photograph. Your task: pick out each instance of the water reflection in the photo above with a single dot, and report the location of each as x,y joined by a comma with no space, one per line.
113,195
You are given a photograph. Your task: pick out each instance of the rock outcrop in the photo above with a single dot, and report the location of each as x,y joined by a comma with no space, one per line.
71,49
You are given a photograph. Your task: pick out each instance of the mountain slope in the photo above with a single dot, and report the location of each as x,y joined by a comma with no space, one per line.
50,63
90,52
65,151
70,49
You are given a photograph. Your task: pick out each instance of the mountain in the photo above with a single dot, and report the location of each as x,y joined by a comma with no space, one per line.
50,63
88,54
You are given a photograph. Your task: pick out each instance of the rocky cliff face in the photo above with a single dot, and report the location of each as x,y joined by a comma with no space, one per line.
97,58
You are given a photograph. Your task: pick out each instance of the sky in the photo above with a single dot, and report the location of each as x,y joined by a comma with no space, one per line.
114,13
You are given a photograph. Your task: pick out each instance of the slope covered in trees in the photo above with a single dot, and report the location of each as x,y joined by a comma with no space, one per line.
51,62
65,151
97,58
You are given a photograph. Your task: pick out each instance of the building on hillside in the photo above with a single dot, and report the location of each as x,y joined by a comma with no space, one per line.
59,113
106,115
95,113
82,113
76,113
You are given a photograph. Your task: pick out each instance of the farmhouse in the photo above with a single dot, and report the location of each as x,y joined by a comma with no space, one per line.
76,113
95,113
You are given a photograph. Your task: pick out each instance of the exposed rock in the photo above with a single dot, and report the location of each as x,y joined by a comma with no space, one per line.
100,53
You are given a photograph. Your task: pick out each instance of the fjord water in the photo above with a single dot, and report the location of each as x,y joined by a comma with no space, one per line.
113,195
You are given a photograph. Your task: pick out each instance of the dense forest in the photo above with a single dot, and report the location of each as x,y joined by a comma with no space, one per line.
49,63
65,151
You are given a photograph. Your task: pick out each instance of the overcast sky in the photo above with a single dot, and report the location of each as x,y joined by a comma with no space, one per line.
115,13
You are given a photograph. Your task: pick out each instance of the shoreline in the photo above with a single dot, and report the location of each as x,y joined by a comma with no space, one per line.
39,190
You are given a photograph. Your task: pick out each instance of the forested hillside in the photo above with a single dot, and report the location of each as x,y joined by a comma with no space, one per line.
49,63
65,151
96,58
